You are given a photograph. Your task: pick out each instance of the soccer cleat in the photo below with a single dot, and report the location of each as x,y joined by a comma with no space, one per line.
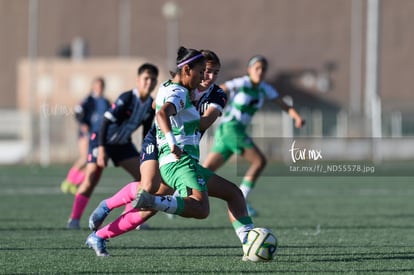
98,215
73,224
68,188
143,200
98,244
251,211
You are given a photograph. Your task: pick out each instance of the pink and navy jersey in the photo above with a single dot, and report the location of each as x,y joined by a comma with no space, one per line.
212,96
125,116
91,111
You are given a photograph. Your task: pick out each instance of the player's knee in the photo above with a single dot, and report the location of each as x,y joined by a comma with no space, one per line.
150,186
203,211
260,162
203,214
238,193
263,162
258,166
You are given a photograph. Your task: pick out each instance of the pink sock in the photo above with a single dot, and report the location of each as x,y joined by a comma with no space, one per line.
72,174
123,196
79,204
124,223
80,176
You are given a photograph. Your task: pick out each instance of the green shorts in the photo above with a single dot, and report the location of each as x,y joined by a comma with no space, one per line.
230,138
185,174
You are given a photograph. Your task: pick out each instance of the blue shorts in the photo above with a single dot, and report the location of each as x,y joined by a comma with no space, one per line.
116,152
149,149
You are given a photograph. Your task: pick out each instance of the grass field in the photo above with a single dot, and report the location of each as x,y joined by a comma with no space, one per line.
323,224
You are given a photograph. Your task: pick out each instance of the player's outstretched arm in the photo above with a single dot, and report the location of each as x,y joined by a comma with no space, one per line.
299,121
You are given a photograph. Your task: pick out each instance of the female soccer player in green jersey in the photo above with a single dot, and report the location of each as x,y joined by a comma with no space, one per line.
178,137
246,97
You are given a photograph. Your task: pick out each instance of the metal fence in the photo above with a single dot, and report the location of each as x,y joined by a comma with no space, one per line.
50,137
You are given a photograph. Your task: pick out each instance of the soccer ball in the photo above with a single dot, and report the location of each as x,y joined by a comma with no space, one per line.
261,245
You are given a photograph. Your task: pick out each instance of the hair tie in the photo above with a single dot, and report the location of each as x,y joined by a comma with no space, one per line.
180,65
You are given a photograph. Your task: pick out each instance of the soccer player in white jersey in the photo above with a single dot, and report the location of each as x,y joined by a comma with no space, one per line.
195,202
246,97
131,110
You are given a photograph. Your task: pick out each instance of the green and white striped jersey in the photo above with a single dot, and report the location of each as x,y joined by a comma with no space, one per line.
245,100
185,124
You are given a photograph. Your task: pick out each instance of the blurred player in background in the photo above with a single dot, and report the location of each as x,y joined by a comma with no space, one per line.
246,97
89,115
179,159
131,110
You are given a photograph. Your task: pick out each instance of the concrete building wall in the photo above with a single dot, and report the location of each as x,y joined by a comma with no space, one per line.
293,34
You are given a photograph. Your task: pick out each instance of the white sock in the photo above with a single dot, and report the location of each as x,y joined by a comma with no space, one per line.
166,204
242,232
